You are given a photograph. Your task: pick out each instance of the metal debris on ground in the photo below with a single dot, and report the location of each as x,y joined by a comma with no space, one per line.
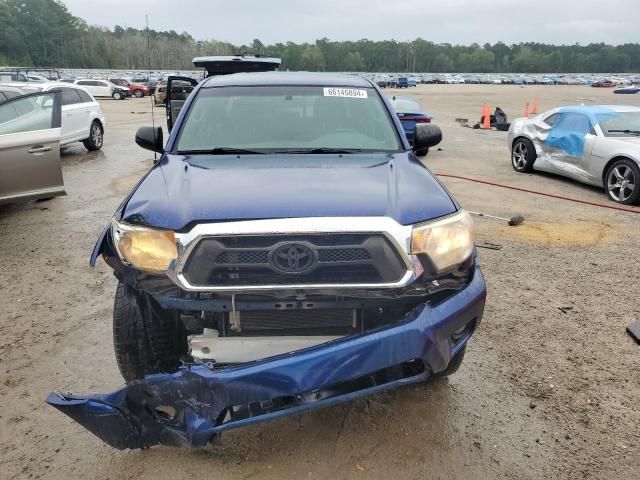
513,221
634,331
489,246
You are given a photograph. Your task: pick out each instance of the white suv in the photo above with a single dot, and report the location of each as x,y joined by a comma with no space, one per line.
82,117
104,88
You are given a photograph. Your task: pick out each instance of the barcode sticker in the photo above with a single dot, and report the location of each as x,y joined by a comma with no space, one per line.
345,92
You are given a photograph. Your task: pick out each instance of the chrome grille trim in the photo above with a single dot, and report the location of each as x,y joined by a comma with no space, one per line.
398,235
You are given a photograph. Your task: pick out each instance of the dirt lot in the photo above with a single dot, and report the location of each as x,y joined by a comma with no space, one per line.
550,387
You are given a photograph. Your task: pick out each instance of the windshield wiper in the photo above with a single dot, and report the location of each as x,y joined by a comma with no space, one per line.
323,150
628,132
221,151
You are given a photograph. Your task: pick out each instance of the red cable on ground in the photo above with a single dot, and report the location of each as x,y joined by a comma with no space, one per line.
486,182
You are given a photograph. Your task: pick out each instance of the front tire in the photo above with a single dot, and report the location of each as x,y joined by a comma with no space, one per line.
117,96
147,339
96,137
523,154
139,93
622,182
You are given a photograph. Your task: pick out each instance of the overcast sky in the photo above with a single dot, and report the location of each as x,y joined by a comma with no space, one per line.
452,21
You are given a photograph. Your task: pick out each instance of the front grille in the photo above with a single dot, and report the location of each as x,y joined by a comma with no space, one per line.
336,255
274,260
249,257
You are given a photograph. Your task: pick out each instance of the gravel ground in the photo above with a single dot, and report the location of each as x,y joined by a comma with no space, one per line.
550,386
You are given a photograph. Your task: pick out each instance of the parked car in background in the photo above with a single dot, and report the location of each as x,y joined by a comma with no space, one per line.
412,82
103,88
30,147
28,74
603,84
597,145
82,117
160,93
290,247
402,82
38,79
137,90
410,113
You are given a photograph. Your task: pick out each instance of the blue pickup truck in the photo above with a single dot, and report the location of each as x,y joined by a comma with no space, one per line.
288,251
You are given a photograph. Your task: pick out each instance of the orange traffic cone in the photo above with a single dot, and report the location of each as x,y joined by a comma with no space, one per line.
534,109
526,110
486,117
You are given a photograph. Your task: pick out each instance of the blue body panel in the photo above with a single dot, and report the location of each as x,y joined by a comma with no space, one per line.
568,133
183,190
200,395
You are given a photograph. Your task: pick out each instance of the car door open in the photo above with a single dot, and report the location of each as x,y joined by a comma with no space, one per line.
30,147
178,90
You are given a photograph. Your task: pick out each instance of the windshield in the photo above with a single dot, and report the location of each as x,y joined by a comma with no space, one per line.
621,124
287,118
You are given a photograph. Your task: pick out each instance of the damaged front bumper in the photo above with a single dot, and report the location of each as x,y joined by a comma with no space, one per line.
192,407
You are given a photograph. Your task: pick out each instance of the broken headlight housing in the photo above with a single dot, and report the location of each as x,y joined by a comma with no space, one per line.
446,242
147,249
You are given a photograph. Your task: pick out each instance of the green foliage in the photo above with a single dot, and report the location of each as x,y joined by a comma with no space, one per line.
44,33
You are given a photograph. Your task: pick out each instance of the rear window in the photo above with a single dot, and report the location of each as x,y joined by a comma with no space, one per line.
69,96
282,118
403,105
84,96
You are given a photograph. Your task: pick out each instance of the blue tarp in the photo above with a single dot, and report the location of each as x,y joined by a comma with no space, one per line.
568,133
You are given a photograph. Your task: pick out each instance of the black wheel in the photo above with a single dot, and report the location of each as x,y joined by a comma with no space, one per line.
147,339
139,93
423,152
454,364
622,182
117,96
96,137
523,154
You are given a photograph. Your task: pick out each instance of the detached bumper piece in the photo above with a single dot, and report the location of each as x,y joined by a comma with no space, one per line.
192,407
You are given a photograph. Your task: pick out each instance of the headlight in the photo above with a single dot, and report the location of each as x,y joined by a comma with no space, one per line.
447,242
146,249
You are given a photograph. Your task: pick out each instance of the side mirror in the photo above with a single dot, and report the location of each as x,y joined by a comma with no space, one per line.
426,136
150,138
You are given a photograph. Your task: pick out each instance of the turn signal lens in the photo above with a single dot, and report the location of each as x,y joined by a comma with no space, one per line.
146,249
447,242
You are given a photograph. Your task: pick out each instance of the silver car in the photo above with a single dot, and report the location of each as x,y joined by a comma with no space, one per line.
597,145
30,147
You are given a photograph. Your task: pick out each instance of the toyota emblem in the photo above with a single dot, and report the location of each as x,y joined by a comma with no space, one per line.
293,258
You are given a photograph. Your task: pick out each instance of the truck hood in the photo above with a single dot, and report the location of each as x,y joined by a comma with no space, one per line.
183,190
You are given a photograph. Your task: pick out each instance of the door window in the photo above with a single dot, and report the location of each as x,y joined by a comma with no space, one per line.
552,119
568,133
28,113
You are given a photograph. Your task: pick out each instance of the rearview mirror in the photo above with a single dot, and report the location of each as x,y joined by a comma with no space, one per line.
426,136
150,138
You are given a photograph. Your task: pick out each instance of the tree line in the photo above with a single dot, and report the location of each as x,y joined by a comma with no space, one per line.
45,33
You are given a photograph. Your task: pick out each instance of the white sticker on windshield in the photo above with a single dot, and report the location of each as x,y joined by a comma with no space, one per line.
345,92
